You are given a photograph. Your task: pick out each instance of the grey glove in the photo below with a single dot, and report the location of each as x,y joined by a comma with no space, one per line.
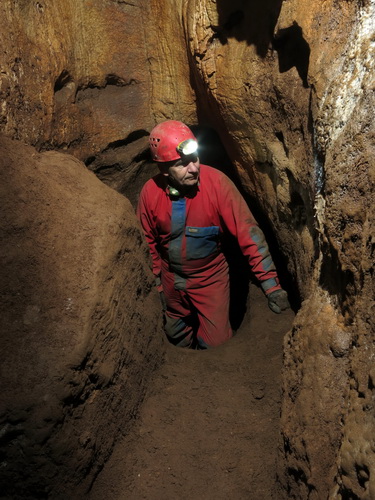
278,301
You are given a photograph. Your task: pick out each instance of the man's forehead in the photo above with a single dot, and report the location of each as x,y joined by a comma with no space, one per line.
193,158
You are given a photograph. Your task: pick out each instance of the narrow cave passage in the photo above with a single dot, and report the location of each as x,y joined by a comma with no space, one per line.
209,425
289,88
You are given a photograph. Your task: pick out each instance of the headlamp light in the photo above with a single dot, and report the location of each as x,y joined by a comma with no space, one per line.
188,147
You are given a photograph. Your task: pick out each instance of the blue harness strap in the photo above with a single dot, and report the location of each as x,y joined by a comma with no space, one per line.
175,245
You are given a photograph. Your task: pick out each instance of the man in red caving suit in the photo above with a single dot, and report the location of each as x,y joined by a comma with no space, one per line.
185,211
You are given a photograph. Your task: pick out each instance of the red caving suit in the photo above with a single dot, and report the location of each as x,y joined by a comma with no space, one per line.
184,235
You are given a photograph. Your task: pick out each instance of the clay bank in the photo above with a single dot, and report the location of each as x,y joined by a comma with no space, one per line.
282,91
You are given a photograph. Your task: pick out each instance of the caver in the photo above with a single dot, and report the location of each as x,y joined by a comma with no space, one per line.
186,211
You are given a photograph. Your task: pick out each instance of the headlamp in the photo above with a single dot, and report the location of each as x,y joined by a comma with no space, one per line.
188,147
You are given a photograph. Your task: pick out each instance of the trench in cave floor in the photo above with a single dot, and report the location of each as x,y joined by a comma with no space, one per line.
209,426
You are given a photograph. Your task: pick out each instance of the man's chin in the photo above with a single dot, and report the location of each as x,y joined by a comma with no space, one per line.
187,186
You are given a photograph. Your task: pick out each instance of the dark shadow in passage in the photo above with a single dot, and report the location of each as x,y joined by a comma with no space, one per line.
337,281
293,51
252,21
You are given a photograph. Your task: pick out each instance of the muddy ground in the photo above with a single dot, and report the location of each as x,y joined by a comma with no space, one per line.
209,426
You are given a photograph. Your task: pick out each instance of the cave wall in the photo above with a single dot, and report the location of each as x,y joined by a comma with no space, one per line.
80,322
288,87
80,326
79,69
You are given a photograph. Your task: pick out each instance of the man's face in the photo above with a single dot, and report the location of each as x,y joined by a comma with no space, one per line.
183,173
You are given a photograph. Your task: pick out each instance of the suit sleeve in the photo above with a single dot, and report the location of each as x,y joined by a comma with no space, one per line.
240,222
146,220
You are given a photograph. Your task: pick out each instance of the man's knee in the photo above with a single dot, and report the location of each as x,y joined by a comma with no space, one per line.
178,331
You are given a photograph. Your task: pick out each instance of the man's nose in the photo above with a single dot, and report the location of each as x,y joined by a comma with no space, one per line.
193,167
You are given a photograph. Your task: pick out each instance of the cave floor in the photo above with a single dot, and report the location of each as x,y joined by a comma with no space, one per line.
209,426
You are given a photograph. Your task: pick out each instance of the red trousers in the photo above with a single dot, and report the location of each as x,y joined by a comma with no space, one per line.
198,315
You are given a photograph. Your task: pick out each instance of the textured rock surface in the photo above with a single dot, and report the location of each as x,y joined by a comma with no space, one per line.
80,322
75,75
299,129
288,85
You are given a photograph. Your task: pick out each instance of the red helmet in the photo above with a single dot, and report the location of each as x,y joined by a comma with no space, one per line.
166,138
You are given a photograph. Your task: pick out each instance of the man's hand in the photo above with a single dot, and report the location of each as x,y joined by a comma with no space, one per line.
278,301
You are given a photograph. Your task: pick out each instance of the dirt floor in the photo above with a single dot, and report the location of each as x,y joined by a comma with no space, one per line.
208,428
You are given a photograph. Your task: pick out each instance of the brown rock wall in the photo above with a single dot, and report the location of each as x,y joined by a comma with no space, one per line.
316,366
172,96
261,113
349,249
290,87
80,322
75,75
